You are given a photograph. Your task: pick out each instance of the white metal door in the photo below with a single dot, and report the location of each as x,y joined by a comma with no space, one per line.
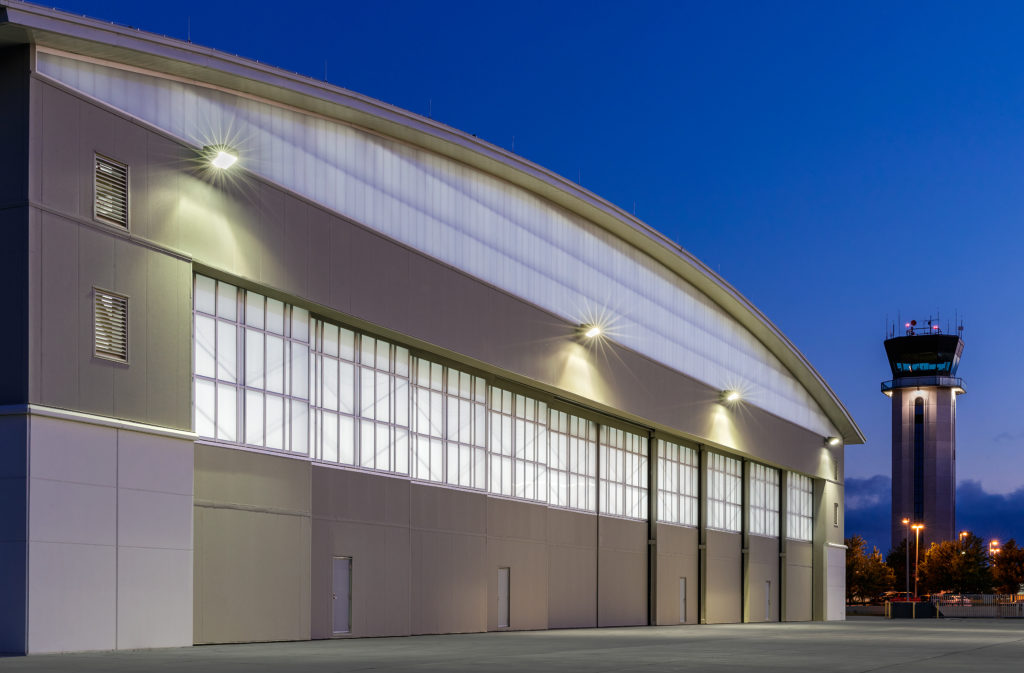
503,598
682,600
341,596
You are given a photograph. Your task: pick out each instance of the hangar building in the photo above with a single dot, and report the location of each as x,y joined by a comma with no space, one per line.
378,377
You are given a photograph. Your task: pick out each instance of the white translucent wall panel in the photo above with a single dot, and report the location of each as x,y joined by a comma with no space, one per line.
491,229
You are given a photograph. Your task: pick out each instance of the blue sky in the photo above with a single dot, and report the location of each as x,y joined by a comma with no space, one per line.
837,162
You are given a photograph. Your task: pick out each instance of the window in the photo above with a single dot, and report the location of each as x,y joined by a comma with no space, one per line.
333,393
466,432
449,425
216,371
725,492
519,446
251,368
623,473
359,399
383,405
110,325
763,496
677,483
275,352
799,513
835,514
573,461
111,192
428,421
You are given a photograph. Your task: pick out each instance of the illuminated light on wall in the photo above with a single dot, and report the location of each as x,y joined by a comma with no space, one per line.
731,396
223,159
591,331
832,441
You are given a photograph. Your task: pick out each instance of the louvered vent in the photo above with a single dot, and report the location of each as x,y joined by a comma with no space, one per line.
110,317
111,191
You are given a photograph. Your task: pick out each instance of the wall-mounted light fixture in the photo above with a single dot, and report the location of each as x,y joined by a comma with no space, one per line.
591,331
220,157
731,396
832,441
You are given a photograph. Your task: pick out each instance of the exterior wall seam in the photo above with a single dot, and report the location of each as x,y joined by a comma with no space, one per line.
210,504
93,419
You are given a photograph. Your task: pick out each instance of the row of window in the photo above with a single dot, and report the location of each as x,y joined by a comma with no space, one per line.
269,375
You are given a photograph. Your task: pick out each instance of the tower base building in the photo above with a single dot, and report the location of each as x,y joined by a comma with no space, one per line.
286,362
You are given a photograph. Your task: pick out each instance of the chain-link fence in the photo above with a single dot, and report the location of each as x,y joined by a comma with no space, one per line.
980,605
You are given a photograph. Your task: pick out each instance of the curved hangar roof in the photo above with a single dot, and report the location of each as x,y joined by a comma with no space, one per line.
466,202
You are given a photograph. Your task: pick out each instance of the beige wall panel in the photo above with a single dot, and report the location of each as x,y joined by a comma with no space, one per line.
268,237
167,339
383,299
73,452
517,540
622,572
296,246
337,268
60,133
131,383
365,516
435,508
252,479
572,569
724,578
449,560
96,269
449,582
347,495
74,513
319,283
251,576
154,600
527,562
381,556
511,519
58,311
35,290
155,463
160,209
798,581
252,545
677,558
762,569
71,597
832,495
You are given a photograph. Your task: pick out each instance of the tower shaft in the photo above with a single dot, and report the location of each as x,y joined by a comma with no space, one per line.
924,463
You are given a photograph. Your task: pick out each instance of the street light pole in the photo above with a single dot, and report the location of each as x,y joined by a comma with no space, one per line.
917,552
906,546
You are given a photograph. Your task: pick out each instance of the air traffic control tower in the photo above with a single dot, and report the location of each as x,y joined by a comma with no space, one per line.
924,389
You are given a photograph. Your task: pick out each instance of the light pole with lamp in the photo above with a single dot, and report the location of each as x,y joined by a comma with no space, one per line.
917,552
906,545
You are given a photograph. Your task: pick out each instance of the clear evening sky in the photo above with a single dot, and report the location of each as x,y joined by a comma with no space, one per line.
837,163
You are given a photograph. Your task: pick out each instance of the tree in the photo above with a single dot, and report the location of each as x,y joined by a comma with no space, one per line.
1008,568
897,560
867,575
960,566
854,553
